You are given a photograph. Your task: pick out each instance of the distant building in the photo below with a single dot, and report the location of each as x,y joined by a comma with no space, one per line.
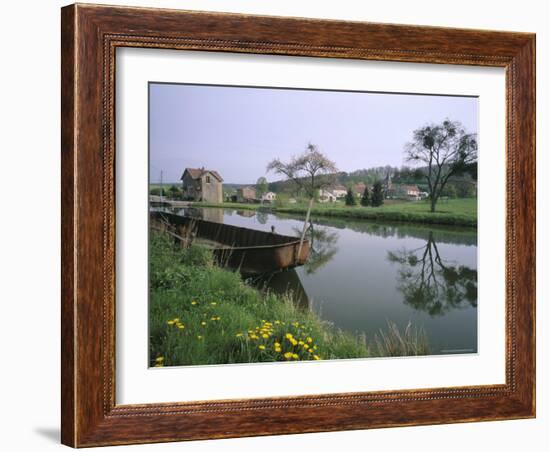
326,196
399,191
246,194
200,184
339,191
269,196
359,188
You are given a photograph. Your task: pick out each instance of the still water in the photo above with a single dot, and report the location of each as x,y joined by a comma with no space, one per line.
362,274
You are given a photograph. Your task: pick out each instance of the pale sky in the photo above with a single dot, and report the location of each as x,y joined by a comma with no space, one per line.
237,131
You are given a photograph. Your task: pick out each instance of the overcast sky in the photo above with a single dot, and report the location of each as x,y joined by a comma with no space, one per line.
237,130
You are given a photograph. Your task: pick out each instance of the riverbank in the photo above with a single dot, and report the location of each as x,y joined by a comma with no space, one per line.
203,314
454,212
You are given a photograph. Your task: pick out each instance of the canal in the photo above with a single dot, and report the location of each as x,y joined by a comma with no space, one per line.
362,274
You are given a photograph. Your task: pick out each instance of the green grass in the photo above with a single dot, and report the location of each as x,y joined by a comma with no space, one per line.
457,212
202,314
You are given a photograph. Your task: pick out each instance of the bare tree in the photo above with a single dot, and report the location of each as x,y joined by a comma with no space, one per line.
447,149
311,171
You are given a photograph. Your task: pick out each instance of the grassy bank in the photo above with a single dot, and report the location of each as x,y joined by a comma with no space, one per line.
456,212
202,314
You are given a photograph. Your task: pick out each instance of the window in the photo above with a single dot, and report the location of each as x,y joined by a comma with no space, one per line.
207,179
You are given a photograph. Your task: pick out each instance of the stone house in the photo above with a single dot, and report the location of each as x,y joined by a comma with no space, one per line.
246,194
200,184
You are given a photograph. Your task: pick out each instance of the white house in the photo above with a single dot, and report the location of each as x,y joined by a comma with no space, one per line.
269,196
326,196
339,191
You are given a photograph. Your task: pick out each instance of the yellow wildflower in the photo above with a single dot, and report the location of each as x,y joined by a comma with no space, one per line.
180,326
300,342
159,365
261,347
310,350
288,355
265,336
159,359
177,319
213,303
310,340
317,357
238,334
277,322
293,341
277,344
170,322
288,336
253,337
306,346
203,323
295,356
199,337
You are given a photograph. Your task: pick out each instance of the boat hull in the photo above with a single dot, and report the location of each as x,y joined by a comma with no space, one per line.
250,251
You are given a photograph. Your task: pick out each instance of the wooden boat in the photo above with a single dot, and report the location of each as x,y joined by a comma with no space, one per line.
250,251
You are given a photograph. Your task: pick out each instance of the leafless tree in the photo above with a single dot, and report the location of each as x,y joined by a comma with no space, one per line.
447,149
311,172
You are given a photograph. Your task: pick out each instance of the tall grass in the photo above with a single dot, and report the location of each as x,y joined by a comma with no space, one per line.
200,313
394,342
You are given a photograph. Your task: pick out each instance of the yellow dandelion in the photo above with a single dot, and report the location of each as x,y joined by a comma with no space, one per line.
159,359
316,357
170,322
310,350
253,337
293,341
203,323
278,349
295,356
177,319
288,336
300,342
288,355
277,322
194,302
180,326
238,334
261,347
265,336
277,344
310,340
306,346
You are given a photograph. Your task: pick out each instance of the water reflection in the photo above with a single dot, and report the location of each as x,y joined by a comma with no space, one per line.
432,284
323,246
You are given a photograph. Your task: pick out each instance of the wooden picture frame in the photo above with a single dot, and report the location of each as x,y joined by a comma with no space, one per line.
90,35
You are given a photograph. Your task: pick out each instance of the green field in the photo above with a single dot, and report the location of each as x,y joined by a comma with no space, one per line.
458,212
203,314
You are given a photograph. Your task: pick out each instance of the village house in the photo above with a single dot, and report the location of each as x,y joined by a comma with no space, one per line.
339,191
326,196
359,189
246,194
200,184
269,197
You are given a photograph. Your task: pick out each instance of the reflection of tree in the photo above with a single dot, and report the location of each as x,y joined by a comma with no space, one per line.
262,216
322,245
431,284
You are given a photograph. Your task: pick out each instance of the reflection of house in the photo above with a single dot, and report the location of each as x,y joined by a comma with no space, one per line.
269,196
326,196
201,184
246,194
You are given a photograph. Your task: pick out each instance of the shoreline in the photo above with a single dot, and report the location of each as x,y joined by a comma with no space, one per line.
392,213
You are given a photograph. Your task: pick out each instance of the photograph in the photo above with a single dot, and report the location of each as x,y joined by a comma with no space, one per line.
291,224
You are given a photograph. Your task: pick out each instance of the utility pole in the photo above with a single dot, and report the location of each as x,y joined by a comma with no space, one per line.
161,187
